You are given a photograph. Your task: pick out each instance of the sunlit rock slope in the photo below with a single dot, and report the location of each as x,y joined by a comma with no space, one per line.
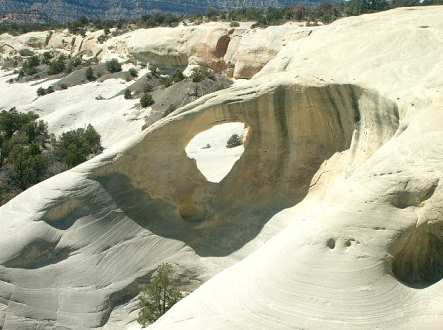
331,217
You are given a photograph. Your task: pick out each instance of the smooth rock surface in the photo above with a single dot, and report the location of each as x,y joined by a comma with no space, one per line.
332,217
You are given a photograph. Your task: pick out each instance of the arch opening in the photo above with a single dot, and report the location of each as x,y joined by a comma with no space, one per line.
217,149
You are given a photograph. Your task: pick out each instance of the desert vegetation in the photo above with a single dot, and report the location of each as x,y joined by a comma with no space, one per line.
146,100
159,295
324,13
234,141
29,154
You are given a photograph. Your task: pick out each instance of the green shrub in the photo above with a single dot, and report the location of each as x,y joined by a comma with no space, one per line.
33,61
167,81
154,69
47,56
113,66
90,74
74,147
28,154
234,24
159,295
146,100
128,94
30,66
178,76
57,66
234,141
197,76
101,39
27,165
133,72
41,91
76,61
22,139
201,74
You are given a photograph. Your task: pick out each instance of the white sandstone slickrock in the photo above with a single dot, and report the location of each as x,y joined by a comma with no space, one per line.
216,45
331,217
114,117
253,49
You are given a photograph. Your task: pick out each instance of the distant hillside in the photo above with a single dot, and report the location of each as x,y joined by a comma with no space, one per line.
69,10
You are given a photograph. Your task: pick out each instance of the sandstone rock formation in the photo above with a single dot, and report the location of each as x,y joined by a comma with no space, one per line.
243,50
330,218
202,44
249,52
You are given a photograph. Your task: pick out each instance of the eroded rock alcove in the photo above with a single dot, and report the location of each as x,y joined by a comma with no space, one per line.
418,256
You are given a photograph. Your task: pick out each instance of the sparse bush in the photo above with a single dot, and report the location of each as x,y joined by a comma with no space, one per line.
90,74
201,74
50,90
113,66
128,94
76,61
41,91
20,75
64,86
57,66
102,39
178,76
146,100
167,81
76,146
154,69
47,56
234,141
159,295
30,66
22,139
133,72
33,61
234,24
27,165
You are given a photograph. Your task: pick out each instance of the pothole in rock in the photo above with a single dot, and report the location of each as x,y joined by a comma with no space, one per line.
418,256
217,149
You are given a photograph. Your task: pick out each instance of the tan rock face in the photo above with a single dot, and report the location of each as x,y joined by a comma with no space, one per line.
36,40
254,48
206,43
215,45
62,40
